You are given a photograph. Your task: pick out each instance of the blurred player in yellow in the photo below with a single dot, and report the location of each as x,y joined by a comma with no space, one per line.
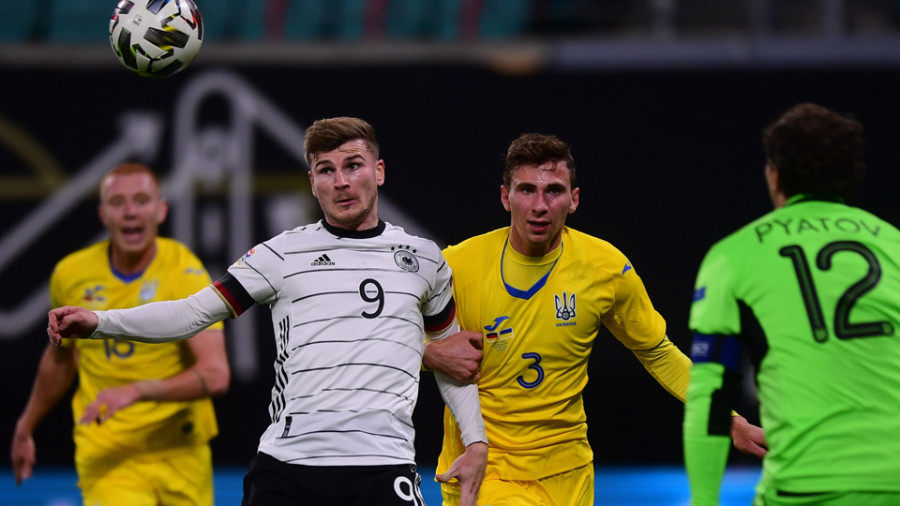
143,412
537,293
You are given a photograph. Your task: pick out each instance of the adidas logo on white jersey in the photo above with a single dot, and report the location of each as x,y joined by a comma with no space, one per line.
322,260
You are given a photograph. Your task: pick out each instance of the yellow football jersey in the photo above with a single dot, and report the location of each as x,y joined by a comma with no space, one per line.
85,278
537,340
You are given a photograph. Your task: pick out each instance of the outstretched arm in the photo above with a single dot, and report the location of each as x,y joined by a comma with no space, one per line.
668,366
70,322
55,375
671,368
207,377
155,322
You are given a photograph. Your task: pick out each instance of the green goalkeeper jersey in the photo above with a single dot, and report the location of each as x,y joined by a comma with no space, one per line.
822,281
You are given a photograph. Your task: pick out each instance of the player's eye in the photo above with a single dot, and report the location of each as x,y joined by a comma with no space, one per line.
556,190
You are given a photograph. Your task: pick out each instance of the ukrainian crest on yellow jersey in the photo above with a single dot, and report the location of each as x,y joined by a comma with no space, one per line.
565,309
148,290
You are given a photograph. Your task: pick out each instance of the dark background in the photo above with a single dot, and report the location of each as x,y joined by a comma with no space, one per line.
668,162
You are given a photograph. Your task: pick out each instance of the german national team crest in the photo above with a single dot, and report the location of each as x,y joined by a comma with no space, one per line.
406,261
565,308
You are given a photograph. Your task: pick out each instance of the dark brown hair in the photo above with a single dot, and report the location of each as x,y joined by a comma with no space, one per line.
536,149
816,151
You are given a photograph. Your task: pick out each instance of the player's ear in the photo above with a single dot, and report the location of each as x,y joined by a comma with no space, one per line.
379,172
773,183
576,195
162,211
773,178
312,184
504,196
101,214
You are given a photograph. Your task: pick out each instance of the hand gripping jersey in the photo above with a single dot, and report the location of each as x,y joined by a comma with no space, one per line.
536,347
822,280
85,278
350,311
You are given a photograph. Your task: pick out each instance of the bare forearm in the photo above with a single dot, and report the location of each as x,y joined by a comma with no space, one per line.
208,377
55,375
185,386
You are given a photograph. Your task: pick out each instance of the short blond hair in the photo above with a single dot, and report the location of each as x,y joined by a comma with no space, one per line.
126,169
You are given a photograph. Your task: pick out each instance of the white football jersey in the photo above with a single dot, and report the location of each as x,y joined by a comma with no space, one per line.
349,310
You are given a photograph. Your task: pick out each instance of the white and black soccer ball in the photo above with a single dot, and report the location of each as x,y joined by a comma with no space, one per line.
156,38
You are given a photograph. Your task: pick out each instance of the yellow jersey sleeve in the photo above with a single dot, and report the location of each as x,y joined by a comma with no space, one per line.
669,367
632,318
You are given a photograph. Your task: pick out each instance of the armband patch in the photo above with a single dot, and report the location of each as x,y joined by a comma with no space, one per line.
234,294
725,350
699,294
440,321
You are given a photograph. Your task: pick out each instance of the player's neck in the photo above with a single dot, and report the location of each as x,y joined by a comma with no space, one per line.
534,250
370,222
375,231
127,263
778,200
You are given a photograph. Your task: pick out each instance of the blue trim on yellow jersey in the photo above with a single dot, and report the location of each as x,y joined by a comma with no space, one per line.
125,278
526,294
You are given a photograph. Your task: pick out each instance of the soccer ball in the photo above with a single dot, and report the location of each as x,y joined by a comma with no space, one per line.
156,38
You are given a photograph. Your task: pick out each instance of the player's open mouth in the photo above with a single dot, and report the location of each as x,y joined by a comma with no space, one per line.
132,233
539,226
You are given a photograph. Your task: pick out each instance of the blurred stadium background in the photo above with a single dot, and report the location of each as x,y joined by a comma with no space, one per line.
663,102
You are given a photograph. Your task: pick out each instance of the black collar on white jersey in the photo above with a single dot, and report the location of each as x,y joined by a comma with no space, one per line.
356,234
